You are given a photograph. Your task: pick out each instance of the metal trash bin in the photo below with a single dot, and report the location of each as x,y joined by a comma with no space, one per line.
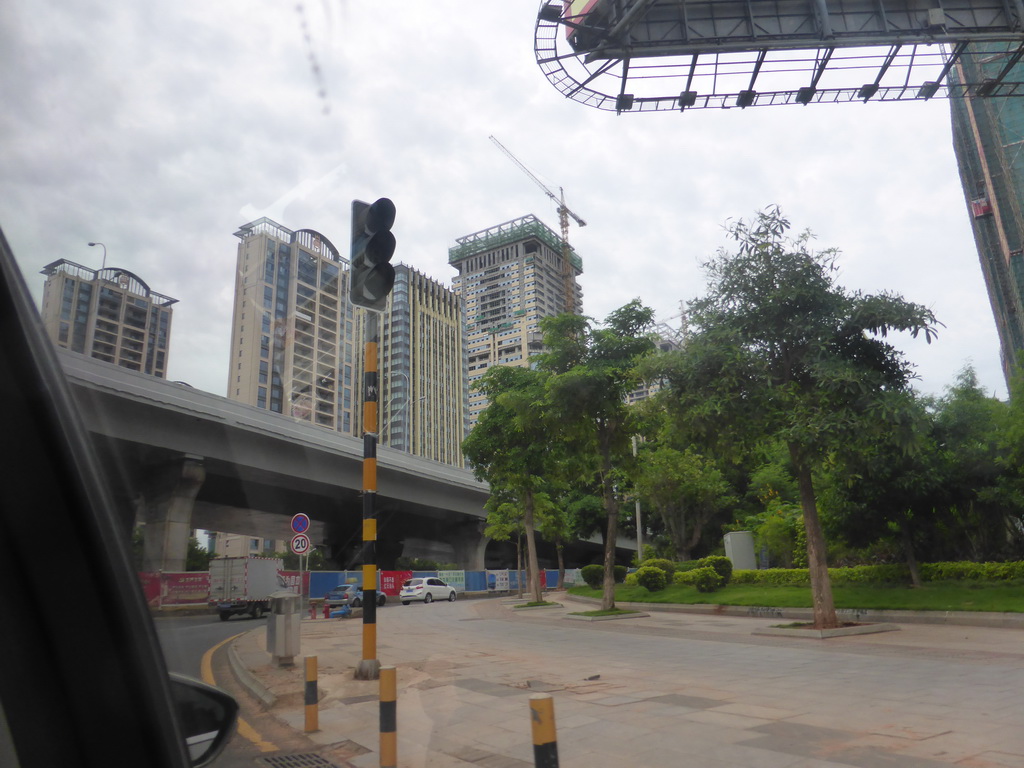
283,628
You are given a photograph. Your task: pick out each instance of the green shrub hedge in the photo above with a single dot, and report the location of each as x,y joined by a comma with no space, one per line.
688,565
651,577
683,577
657,562
593,575
886,574
972,571
722,566
706,579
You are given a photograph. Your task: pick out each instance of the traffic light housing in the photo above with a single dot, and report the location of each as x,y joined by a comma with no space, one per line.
372,276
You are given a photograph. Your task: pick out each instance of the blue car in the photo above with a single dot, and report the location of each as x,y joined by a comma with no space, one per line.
350,595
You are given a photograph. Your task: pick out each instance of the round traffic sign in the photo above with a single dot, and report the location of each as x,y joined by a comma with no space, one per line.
300,544
300,523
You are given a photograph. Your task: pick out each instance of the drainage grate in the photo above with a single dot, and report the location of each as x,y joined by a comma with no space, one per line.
296,761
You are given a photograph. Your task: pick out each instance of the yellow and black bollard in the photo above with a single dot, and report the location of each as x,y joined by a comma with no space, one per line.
545,741
388,717
312,696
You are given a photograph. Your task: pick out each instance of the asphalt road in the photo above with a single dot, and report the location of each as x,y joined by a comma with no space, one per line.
184,639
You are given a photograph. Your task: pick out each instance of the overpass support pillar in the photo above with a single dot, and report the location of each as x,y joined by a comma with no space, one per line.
168,516
470,543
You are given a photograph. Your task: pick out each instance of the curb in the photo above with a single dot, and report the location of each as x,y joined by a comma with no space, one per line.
824,634
633,615
949,618
246,678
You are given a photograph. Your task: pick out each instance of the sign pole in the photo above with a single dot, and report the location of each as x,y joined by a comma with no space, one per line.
369,666
300,544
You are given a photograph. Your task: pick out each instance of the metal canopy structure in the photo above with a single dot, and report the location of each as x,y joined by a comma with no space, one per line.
655,55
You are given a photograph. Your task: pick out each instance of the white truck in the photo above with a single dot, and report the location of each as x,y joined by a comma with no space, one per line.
243,585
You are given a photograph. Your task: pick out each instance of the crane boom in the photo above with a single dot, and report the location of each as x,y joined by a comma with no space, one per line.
560,200
564,214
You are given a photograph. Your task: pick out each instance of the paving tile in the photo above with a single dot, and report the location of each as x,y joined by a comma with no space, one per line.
682,700
725,720
752,710
691,692
995,760
573,721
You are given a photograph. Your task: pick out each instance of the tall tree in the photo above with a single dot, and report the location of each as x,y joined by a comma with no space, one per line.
512,448
555,524
592,370
687,491
984,506
888,490
781,350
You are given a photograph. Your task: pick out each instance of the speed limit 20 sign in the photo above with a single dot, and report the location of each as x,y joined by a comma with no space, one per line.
300,544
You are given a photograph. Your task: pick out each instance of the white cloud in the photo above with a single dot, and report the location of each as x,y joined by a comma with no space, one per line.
152,127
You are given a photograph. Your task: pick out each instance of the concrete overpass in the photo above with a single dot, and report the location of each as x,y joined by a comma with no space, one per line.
178,458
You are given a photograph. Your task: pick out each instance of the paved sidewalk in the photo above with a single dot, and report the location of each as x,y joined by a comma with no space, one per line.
666,690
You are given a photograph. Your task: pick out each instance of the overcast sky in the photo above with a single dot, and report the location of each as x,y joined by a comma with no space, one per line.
159,128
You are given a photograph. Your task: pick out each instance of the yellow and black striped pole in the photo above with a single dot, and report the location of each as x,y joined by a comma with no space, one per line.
369,666
312,696
388,717
542,720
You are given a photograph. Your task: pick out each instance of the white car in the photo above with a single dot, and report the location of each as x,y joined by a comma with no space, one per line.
427,590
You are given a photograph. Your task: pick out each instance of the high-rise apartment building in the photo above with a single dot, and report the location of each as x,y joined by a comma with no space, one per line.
109,313
988,137
240,545
292,349
297,344
423,390
669,339
510,276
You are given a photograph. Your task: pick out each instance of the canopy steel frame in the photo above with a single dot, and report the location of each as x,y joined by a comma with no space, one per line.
654,55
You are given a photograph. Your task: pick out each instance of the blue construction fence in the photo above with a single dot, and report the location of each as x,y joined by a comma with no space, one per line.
390,582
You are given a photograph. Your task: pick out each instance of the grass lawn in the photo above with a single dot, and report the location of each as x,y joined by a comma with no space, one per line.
933,596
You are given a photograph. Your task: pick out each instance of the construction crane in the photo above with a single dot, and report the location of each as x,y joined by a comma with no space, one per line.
564,214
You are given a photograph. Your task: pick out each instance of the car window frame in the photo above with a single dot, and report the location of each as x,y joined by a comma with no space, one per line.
100,693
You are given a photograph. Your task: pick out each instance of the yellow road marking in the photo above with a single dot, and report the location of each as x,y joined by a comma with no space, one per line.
244,729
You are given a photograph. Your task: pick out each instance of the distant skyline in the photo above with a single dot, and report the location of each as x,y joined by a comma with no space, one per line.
159,130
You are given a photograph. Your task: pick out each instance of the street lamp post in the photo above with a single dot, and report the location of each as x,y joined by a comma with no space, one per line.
405,402
639,530
401,408
103,266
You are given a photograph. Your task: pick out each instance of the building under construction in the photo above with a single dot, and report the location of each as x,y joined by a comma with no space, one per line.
510,276
988,136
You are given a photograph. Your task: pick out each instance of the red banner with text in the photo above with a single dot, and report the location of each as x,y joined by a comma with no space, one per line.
391,581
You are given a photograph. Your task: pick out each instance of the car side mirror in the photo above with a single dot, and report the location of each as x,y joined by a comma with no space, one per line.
207,717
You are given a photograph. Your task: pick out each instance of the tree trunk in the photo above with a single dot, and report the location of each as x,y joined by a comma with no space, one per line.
611,508
696,533
675,524
821,585
519,565
532,565
908,551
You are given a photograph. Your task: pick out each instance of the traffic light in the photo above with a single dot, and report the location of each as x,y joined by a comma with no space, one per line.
372,276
